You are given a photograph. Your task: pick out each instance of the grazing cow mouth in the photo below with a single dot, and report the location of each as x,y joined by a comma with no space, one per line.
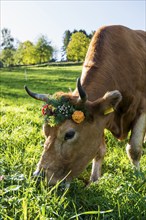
53,179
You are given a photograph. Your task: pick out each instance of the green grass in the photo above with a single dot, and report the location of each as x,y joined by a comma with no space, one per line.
120,193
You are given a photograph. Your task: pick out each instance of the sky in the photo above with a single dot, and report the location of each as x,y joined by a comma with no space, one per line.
28,19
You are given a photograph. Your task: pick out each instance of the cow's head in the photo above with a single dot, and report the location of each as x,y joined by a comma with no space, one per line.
73,130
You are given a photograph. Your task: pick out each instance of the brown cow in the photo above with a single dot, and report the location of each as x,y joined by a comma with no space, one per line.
111,94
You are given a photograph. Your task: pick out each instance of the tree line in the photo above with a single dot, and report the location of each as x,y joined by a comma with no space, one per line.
75,45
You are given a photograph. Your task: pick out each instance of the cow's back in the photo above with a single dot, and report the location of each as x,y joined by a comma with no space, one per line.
116,60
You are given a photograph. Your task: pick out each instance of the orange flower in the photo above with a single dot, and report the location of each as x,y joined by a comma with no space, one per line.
78,116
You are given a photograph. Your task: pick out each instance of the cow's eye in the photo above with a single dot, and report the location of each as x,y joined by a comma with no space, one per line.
69,135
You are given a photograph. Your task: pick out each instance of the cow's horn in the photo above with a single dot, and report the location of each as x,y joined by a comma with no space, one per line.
82,93
42,97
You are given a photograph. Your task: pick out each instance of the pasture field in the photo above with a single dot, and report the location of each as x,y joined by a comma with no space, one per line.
120,193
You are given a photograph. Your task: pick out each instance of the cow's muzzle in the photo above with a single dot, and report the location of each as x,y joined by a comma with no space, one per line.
39,175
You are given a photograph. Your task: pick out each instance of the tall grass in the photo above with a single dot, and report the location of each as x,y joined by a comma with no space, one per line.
120,193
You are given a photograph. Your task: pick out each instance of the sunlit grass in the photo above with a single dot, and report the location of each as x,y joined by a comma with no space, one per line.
120,193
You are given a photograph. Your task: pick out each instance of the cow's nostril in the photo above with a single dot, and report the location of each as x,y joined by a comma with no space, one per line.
36,173
38,176
39,173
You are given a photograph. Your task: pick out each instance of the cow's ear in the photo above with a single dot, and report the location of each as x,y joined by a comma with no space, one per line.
110,101
106,104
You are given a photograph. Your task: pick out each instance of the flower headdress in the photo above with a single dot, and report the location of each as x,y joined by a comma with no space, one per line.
59,109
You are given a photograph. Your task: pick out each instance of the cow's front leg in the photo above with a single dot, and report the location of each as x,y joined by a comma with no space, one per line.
134,148
97,163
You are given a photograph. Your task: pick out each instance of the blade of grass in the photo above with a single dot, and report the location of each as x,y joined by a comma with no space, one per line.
92,213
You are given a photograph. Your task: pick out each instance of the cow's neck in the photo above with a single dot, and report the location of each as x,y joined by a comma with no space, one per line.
96,82
97,88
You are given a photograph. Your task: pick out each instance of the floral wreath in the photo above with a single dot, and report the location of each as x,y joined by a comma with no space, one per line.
59,109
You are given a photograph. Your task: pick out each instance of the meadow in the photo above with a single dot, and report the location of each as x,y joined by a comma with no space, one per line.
119,195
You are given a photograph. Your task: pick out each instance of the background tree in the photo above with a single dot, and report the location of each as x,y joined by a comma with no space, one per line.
77,47
7,54
25,54
81,31
28,53
19,54
74,48
66,39
43,50
7,39
7,57
91,34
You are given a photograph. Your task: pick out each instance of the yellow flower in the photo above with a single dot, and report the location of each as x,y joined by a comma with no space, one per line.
78,116
50,106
